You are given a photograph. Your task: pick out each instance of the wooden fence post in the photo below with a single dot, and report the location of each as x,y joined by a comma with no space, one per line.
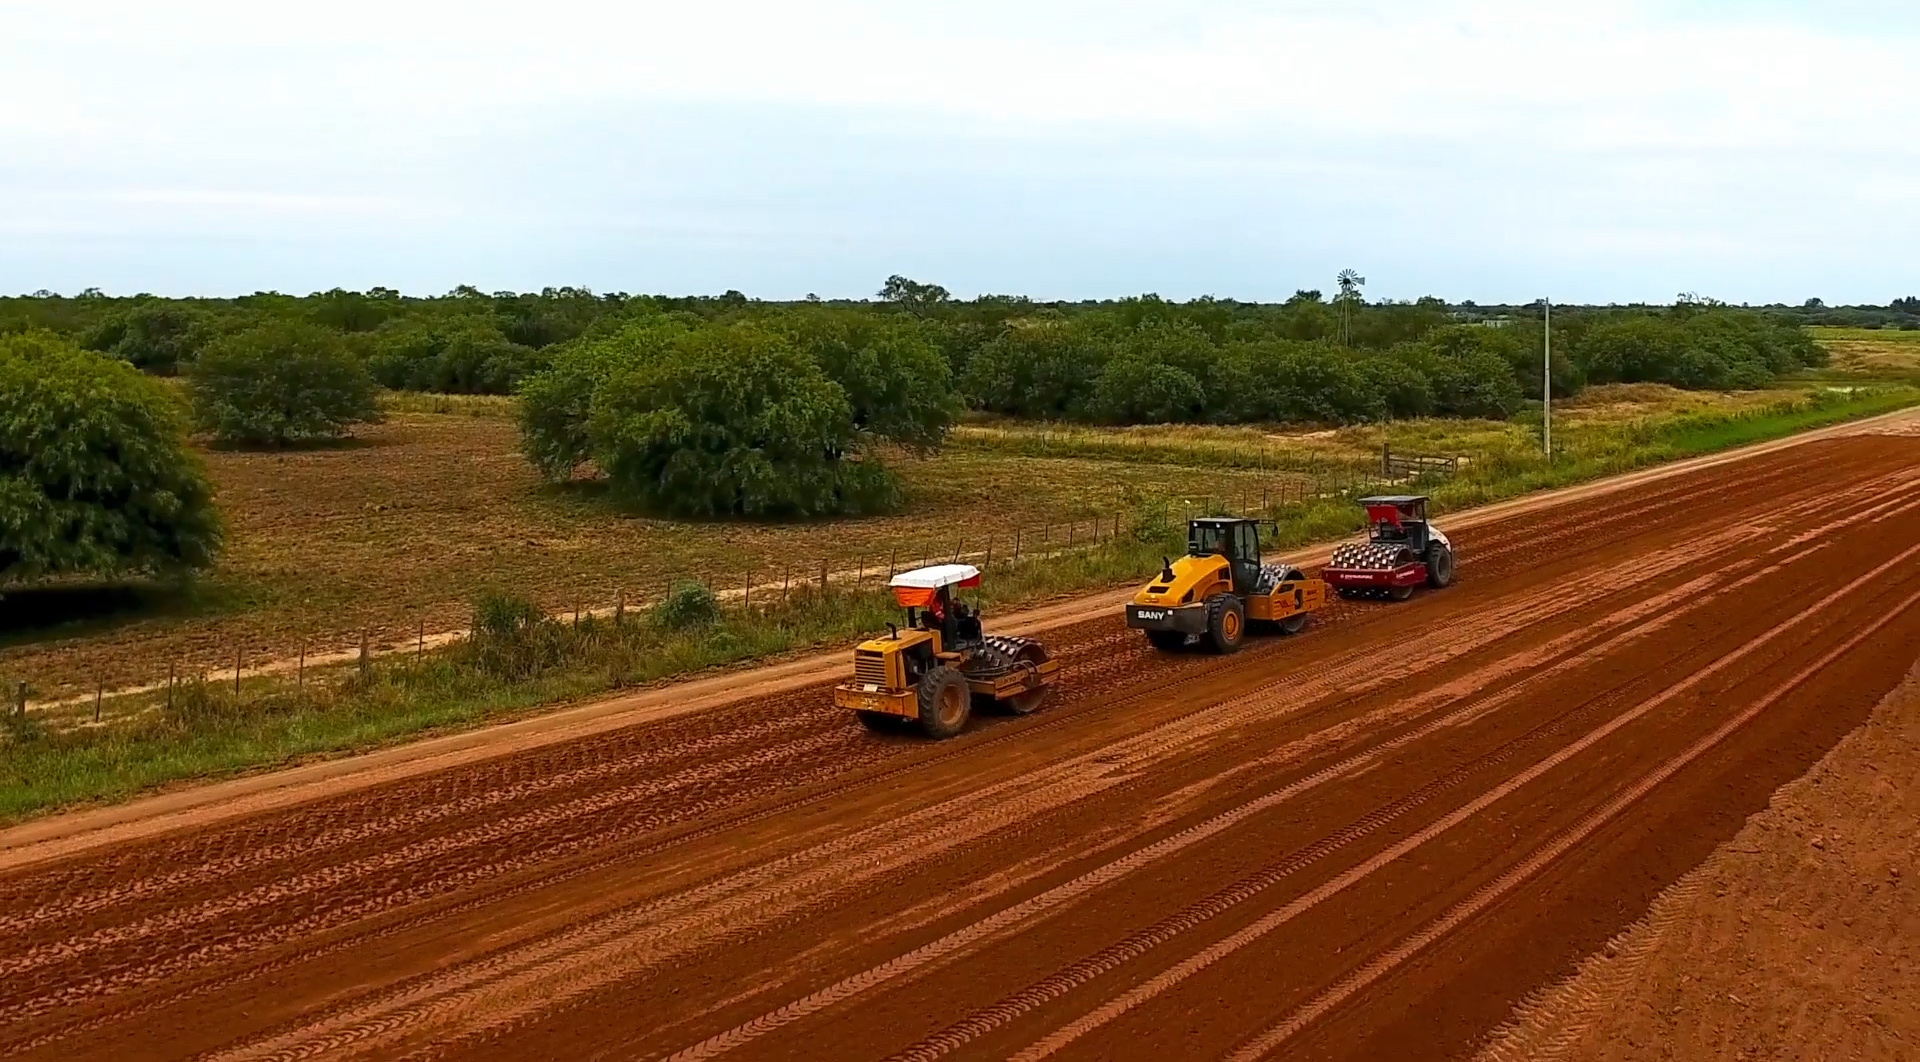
363,652
786,582
170,681
989,562
236,668
420,647
823,573
746,592
99,692
301,681
893,564
20,699
1016,544
860,573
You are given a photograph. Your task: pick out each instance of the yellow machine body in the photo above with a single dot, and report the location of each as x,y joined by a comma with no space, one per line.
879,675
879,682
1220,586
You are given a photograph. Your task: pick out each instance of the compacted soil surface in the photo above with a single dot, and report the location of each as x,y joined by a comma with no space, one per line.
1371,840
1800,938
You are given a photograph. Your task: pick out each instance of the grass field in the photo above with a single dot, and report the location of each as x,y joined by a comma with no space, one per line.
397,531
402,527
1872,352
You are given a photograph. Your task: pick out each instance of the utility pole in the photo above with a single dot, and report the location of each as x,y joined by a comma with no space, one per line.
1546,383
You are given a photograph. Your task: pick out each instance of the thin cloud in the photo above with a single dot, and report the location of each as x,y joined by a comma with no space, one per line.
1009,132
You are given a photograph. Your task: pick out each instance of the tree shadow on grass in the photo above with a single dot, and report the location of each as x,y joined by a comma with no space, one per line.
596,497
30,614
301,446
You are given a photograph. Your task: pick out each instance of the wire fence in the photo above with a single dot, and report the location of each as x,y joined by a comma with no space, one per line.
81,699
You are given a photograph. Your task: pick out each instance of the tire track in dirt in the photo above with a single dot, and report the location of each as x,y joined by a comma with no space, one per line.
1556,598
872,852
1267,1041
1172,976
1643,620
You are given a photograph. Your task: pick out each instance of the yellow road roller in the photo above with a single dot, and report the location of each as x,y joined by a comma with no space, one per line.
933,672
1220,590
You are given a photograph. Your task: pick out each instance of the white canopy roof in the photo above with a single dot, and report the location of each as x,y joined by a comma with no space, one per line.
936,576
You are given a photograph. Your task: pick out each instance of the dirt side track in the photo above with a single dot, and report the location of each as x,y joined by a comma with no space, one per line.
1366,841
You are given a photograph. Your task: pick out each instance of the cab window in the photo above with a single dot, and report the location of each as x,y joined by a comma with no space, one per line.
1249,544
1205,540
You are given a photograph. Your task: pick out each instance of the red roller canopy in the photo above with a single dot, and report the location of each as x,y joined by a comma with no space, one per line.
1384,514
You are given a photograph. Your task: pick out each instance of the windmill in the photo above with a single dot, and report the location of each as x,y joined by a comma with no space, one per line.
1350,284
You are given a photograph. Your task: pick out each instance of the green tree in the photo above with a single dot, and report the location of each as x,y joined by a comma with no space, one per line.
1314,382
913,296
1133,389
1038,367
278,383
1164,371
733,422
350,311
555,404
154,335
95,473
1405,391
897,381
456,355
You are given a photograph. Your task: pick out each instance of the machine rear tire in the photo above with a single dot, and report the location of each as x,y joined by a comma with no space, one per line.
1439,566
1167,641
1226,623
945,702
1399,593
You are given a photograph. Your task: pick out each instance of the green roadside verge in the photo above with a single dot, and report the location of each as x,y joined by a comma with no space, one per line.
522,662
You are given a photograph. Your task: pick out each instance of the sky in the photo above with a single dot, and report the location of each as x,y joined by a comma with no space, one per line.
1493,150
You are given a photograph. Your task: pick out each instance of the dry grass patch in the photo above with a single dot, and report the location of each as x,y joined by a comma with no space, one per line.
1871,351
402,527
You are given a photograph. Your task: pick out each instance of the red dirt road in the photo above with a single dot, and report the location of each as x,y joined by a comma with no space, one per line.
1366,841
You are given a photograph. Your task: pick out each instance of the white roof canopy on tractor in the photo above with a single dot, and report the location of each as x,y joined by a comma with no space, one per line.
916,589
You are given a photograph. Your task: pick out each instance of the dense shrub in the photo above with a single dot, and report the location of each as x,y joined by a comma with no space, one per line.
1038,368
1718,349
898,384
1403,390
459,355
1136,389
555,404
906,365
688,606
278,383
95,473
512,638
155,336
351,311
733,422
